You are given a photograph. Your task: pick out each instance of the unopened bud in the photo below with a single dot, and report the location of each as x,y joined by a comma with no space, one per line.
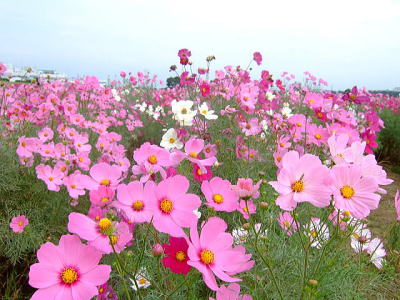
246,226
157,250
313,282
264,204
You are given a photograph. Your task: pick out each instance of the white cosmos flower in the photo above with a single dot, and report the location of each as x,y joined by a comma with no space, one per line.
317,232
183,112
377,252
170,140
115,95
361,238
141,280
208,114
287,112
270,96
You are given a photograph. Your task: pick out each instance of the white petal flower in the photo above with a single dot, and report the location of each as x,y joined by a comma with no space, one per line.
142,280
183,112
208,114
170,140
317,232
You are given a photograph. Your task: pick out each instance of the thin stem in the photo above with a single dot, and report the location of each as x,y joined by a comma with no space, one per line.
178,287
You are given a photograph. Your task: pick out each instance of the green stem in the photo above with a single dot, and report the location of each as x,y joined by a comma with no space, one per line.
178,287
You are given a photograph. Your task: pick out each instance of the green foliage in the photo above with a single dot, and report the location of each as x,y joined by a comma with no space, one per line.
173,81
389,138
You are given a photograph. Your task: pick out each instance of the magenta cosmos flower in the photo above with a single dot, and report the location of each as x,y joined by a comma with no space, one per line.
133,201
69,271
257,57
213,255
19,223
172,207
102,234
219,194
353,192
177,257
302,179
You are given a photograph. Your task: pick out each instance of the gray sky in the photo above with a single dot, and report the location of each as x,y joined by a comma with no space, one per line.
352,42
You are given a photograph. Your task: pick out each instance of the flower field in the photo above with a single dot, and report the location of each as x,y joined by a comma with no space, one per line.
228,185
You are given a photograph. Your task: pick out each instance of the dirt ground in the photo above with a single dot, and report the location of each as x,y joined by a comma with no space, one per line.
381,219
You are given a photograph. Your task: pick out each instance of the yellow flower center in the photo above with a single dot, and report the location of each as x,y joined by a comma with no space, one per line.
346,213
184,111
180,256
204,112
105,182
137,205
81,159
69,276
51,178
199,172
104,199
246,210
142,281
347,191
166,206
207,257
20,223
298,186
218,198
101,290
298,124
171,140
104,224
317,136
152,159
47,151
193,154
286,223
313,233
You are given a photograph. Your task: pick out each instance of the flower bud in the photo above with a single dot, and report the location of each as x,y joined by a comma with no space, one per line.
157,250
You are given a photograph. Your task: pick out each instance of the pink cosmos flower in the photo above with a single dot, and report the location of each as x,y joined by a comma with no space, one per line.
287,222
199,176
230,292
172,206
3,68
104,195
27,146
220,195
302,179
247,208
353,192
99,234
251,127
177,256
46,134
397,204
19,223
246,189
133,201
74,184
52,177
68,271
103,174
257,57
205,89
337,147
184,55
213,255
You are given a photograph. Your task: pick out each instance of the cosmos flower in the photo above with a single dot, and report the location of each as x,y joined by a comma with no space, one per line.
212,253
68,271
177,256
19,223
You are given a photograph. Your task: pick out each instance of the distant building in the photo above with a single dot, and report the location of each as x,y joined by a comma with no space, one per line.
396,89
25,73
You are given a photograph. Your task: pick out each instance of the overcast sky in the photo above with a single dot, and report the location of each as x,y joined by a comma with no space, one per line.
346,42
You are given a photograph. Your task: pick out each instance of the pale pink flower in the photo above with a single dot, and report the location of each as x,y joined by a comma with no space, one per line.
68,271
52,177
230,292
172,206
353,192
246,208
19,223
213,255
219,194
133,201
103,174
246,189
287,222
302,179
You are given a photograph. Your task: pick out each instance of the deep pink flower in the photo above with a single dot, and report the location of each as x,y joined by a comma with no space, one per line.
220,195
184,55
230,292
302,179
246,189
122,74
172,206
177,256
68,271
353,192
205,89
133,200
213,255
18,223
257,57
199,176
